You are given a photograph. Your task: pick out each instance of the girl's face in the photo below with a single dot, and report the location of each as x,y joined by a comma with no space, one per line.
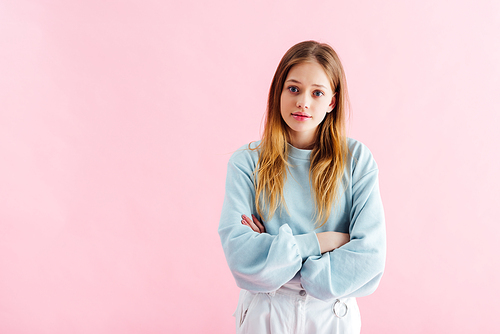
306,98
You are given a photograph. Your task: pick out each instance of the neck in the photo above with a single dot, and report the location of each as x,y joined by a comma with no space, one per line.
302,141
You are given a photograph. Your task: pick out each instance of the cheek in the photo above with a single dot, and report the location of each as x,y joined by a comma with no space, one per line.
286,98
284,104
282,99
325,106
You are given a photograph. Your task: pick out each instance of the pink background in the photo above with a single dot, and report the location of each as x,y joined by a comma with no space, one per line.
117,119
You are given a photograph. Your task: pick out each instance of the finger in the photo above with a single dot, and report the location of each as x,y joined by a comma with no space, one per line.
253,226
258,224
246,219
243,222
250,223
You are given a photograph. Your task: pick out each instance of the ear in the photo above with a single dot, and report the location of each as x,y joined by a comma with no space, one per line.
332,105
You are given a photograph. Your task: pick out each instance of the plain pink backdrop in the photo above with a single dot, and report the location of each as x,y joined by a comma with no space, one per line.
117,119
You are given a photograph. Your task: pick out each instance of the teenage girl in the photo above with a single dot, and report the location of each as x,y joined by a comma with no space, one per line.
302,224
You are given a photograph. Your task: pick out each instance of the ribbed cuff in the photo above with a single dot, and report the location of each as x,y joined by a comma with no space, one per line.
308,245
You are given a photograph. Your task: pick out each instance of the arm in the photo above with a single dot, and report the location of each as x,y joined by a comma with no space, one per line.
259,262
355,269
328,241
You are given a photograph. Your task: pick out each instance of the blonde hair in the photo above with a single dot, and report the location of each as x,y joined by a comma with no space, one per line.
329,155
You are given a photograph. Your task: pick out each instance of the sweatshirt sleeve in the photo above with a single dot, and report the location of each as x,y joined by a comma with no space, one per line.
355,269
258,262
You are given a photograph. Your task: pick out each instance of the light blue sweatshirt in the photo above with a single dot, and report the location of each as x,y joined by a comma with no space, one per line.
290,249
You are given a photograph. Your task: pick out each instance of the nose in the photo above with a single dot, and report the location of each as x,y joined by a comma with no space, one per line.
302,103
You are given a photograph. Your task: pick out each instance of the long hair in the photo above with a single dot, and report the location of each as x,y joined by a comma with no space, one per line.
329,155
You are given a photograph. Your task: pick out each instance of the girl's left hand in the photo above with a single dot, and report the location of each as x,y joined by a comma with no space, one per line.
253,223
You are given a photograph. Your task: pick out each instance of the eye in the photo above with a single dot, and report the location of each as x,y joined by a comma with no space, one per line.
318,93
293,89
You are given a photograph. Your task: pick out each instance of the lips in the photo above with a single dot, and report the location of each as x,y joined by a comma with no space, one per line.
301,116
299,113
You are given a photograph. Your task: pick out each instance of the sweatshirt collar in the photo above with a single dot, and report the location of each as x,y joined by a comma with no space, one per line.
298,153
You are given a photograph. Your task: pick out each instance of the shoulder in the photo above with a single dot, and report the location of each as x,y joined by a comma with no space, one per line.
361,159
246,156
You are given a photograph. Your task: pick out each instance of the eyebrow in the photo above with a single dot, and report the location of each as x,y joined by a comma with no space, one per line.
297,81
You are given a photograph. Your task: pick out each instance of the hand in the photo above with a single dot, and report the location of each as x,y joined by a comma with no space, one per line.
253,223
328,241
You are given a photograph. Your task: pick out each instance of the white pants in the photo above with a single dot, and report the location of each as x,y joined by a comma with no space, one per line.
290,310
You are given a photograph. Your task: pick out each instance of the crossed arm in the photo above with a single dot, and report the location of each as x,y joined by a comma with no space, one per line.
328,241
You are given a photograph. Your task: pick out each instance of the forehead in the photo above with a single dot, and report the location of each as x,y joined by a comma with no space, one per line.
309,73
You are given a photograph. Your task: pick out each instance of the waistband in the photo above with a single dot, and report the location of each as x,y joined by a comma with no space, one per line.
294,289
